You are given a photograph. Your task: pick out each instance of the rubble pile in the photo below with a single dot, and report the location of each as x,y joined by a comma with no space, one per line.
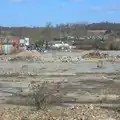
82,112
27,53
26,56
96,54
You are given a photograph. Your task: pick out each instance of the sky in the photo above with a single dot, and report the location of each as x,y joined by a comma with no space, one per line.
39,12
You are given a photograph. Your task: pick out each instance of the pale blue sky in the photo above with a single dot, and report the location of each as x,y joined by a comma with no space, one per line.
38,12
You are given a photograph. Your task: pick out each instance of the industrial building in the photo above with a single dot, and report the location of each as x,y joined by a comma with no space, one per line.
12,44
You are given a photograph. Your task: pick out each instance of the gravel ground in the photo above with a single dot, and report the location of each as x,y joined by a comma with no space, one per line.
86,83
81,112
67,62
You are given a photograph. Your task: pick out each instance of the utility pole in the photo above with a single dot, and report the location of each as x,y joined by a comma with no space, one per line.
21,32
0,32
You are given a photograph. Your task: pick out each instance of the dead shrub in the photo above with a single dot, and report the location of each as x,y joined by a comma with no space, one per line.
46,93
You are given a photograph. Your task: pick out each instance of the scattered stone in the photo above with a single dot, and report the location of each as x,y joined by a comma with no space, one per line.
81,112
69,59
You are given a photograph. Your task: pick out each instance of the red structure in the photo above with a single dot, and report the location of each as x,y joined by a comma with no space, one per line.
16,39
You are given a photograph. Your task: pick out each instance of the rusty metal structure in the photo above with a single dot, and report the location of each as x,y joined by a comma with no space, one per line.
9,44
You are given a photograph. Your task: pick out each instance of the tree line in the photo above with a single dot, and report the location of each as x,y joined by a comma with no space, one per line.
49,32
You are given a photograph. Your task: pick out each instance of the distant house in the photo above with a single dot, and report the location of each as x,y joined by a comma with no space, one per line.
96,31
59,44
98,34
16,39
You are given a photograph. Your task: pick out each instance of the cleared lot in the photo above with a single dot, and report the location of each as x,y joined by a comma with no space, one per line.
80,85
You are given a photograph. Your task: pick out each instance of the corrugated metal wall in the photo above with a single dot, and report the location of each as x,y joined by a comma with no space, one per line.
8,48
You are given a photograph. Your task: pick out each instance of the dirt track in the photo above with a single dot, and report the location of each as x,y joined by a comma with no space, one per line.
84,88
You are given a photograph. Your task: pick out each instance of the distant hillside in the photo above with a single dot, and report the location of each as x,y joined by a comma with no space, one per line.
49,32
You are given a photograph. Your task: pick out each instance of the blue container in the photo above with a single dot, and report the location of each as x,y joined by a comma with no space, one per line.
6,49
